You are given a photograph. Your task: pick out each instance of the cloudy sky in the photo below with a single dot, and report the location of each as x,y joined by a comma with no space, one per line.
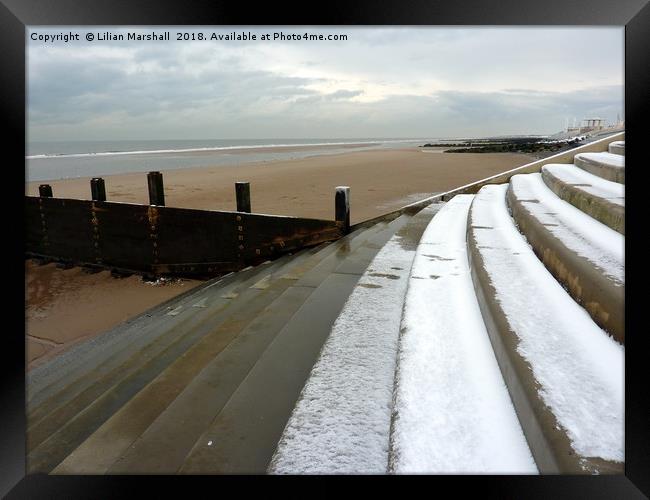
397,82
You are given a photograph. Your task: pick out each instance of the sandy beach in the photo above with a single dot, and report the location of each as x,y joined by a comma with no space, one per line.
66,306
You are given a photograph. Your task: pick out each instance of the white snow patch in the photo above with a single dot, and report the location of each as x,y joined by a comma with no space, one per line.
609,159
579,367
584,235
587,182
341,422
453,413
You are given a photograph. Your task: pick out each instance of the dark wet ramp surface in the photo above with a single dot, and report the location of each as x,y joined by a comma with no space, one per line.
207,389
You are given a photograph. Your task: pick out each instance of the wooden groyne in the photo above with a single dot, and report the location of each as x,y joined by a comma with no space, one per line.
158,240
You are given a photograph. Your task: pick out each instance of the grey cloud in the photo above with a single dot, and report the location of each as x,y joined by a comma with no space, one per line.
71,91
227,90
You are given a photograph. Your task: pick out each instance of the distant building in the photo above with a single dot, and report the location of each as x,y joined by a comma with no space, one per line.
588,125
592,124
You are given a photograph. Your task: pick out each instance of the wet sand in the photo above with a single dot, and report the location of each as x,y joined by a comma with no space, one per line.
66,306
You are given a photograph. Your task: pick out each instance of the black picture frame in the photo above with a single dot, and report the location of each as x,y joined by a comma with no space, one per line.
15,15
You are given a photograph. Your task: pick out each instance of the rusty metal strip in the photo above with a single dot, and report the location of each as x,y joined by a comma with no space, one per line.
94,221
153,217
240,236
44,239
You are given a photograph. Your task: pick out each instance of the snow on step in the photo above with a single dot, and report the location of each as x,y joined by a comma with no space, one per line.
613,192
579,368
607,165
341,422
604,158
584,235
453,413
617,147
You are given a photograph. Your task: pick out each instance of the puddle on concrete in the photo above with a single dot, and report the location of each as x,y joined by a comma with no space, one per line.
410,234
407,200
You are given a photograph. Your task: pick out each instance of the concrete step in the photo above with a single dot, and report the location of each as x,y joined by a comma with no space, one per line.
68,426
159,425
564,374
617,147
601,199
106,354
131,335
94,395
609,166
452,412
107,390
341,421
342,252
584,255
243,436
112,346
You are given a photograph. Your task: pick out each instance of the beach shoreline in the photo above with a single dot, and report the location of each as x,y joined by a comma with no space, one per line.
285,148
75,162
65,306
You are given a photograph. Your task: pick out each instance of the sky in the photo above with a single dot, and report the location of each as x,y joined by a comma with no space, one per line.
398,82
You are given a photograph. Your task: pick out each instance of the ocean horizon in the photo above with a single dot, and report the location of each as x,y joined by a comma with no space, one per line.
55,160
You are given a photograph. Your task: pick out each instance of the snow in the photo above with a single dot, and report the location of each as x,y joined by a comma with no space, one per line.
579,232
610,159
587,182
341,422
453,413
580,368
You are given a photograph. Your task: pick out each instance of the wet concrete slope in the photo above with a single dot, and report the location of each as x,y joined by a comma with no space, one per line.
223,364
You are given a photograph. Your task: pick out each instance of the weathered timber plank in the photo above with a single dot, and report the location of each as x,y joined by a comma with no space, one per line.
164,240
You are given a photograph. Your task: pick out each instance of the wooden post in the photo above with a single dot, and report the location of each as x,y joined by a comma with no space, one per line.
45,191
97,189
243,194
342,207
156,189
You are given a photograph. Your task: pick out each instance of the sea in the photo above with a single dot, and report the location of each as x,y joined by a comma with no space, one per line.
66,160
